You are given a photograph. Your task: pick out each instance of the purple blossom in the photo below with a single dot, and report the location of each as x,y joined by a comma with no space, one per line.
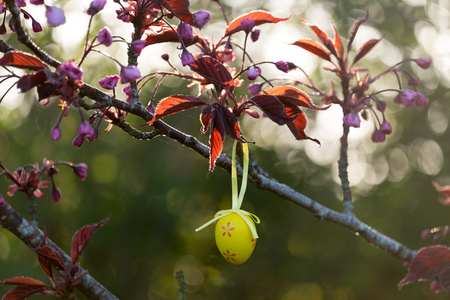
56,194
71,70
424,63
378,136
55,16
109,82
413,81
21,3
96,6
247,25
253,72
201,18
127,91
129,73
282,66
165,56
254,88
352,119
405,97
386,127
104,36
2,200
420,99
85,129
184,30
36,26
56,133
80,170
78,141
187,58
255,35
37,2
137,46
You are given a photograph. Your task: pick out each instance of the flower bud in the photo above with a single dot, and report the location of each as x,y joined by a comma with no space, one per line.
104,36
55,16
71,70
247,25
36,26
56,133
352,119
95,7
420,99
282,66
165,56
378,136
254,88
80,170
255,35
253,73
424,63
56,194
184,30
78,141
129,73
137,46
386,127
37,2
201,18
187,58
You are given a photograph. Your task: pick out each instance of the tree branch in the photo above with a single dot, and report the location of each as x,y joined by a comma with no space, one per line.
33,236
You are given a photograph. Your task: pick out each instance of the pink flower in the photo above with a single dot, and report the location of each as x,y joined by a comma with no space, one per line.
255,35
127,91
71,70
55,16
37,2
78,141
201,18
80,170
56,194
36,26
85,129
21,3
247,25
129,73
352,119
187,58
96,6
184,30
137,46
109,82
424,63
104,36
253,72
378,136
420,99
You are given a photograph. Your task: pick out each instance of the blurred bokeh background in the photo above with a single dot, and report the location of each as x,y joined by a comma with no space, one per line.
157,192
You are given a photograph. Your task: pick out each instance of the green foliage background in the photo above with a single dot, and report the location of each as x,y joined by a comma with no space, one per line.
157,192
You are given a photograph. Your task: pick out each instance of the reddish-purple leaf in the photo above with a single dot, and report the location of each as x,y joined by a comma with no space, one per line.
259,16
214,71
365,49
21,280
313,47
48,255
428,263
24,291
292,94
82,237
21,60
355,30
338,43
180,8
29,81
271,106
162,36
230,122
174,104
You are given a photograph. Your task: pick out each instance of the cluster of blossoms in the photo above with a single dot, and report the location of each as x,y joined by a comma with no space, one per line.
28,179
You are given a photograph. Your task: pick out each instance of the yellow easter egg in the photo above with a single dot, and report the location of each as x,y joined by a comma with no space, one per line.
234,238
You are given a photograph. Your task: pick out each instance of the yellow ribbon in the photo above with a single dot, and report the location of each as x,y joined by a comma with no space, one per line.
237,199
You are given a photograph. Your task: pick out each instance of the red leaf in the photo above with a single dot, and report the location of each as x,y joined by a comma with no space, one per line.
29,81
174,104
23,281
162,36
259,16
355,30
271,106
25,291
22,60
365,49
338,43
82,237
180,8
292,94
313,47
213,70
428,263
49,256
216,138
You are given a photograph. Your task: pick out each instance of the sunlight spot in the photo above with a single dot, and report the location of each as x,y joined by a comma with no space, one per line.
398,164
427,156
437,117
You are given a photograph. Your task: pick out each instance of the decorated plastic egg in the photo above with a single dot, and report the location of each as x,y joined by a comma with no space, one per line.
234,238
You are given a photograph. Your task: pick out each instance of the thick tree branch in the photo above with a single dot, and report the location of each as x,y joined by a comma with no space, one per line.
33,236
